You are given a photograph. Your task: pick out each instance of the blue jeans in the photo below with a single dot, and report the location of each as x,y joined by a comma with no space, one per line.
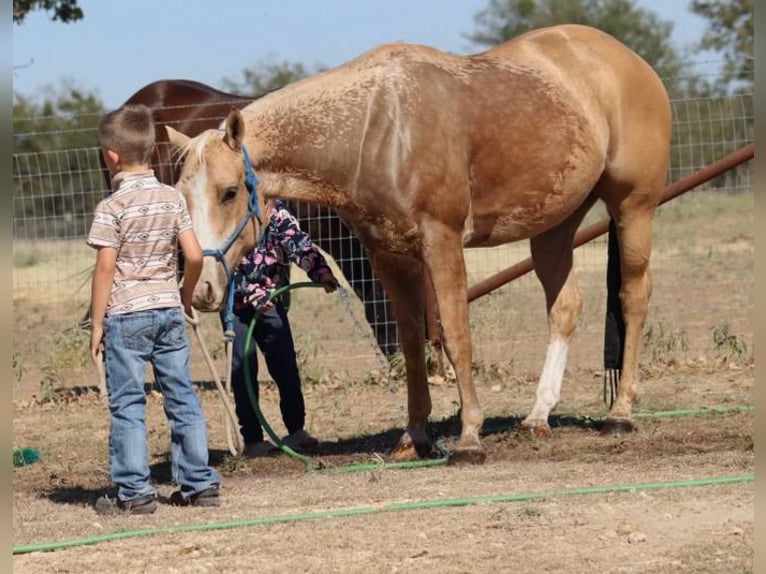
157,336
273,336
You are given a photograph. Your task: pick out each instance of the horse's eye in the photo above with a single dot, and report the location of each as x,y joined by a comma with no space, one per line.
229,194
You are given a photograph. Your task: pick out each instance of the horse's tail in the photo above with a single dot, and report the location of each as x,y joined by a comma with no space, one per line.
614,325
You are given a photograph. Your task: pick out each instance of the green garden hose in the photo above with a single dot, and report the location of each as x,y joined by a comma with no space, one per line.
308,462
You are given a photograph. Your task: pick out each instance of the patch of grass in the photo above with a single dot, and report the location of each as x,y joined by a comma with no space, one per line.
50,387
662,344
28,258
306,353
728,345
530,512
397,366
69,349
234,465
18,366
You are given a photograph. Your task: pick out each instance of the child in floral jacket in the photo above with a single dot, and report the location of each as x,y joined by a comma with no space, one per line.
260,272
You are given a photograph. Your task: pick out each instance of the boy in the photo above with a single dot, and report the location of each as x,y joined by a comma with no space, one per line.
265,268
136,312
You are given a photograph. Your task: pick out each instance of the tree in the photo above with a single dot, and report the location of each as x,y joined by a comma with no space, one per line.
57,177
63,10
267,76
730,31
638,28
702,110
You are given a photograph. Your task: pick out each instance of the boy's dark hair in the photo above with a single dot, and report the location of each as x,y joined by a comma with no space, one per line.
128,130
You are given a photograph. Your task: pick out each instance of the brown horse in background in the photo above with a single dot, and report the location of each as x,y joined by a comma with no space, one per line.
423,153
192,107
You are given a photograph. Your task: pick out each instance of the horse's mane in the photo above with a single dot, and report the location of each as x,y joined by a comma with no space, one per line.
194,147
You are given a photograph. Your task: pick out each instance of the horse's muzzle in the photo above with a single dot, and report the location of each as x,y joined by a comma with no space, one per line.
207,297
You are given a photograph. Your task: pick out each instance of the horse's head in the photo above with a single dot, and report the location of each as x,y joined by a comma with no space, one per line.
213,182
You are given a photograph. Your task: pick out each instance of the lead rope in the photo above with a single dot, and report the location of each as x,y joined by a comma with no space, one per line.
233,438
102,379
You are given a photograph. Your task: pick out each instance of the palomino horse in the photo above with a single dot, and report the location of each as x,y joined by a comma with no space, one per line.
192,107
423,153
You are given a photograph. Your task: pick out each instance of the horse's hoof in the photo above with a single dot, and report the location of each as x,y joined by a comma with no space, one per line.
408,449
536,430
473,455
617,426
404,453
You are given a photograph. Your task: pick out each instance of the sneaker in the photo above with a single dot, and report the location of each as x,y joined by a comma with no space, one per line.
259,449
208,497
301,441
144,504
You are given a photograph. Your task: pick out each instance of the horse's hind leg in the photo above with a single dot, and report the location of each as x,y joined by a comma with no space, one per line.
634,233
552,257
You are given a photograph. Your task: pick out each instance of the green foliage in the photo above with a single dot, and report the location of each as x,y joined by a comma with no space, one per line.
69,350
708,122
56,169
63,10
661,343
730,31
397,366
27,258
267,76
638,28
65,117
728,345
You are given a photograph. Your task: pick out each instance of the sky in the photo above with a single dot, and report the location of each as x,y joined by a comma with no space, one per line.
119,47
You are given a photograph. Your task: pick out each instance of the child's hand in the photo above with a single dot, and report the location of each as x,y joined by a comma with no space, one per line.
328,281
96,336
186,303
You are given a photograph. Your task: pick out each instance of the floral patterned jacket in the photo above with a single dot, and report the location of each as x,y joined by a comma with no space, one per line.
267,266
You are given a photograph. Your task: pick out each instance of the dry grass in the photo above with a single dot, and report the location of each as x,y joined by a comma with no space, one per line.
703,282
703,295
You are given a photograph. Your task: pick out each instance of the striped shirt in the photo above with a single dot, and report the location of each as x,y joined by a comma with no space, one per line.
141,219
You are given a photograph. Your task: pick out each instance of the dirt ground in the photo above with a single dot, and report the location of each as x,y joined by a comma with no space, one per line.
659,500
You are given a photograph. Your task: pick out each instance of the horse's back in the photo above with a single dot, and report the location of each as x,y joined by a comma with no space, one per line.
612,82
516,136
579,69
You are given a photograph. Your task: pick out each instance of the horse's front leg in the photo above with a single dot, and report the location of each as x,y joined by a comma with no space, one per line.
443,256
402,280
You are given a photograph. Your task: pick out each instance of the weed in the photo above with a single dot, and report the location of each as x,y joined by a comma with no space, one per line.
728,345
50,387
530,512
231,465
435,360
27,258
69,349
18,367
662,343
396,365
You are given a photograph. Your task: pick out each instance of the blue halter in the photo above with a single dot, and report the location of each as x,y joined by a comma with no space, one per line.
254,212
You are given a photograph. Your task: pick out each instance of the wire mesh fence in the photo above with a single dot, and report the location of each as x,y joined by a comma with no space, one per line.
702,262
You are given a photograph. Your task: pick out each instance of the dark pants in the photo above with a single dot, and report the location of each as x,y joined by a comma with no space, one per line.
275,340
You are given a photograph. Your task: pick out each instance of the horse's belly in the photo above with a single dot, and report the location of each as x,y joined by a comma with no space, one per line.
517,220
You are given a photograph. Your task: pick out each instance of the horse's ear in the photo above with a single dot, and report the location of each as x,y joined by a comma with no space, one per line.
176,138
235,129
